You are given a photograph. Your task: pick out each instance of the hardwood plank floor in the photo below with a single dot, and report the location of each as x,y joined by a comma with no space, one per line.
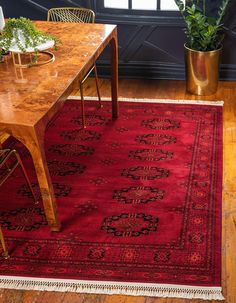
167,90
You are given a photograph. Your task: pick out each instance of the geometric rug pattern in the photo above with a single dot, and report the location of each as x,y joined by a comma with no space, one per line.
139,199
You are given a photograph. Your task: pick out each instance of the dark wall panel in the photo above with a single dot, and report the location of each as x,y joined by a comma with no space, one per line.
149,46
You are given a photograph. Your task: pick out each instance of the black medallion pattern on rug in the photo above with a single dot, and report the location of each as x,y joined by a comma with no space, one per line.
71,150
23,219
60,190
145,173
150,154
96,253
80,134
196,237
162,124
162,256
155,139
60,168
130,224
32,250
92,120
138,194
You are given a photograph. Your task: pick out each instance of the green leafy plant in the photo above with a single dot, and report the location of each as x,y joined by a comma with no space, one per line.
32,37
204,33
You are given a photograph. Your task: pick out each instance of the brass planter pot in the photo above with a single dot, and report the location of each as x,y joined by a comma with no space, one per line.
202,71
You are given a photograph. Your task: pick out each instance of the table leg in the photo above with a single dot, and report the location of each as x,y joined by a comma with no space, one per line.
114,74
36,148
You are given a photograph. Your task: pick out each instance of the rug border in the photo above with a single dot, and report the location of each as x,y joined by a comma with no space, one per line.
112,288
171,101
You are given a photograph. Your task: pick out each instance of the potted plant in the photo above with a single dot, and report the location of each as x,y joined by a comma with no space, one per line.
20,35
203,45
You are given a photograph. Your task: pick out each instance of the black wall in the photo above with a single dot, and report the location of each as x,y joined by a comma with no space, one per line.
150,46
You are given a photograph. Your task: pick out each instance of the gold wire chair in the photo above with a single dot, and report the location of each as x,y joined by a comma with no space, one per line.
9,160
71,14
81,15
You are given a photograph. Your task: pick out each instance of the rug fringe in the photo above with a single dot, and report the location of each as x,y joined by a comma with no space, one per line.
171,101
111,288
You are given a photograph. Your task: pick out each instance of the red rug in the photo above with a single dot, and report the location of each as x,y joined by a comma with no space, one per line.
139,199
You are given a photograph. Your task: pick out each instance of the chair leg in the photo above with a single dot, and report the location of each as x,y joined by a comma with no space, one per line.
3,243
26,176
97,86
82,104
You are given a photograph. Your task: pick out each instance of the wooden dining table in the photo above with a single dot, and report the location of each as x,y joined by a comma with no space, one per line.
30,97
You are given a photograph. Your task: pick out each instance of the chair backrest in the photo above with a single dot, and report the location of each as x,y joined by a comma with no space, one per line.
71,14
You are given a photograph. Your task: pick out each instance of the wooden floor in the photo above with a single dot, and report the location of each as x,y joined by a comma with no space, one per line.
167,90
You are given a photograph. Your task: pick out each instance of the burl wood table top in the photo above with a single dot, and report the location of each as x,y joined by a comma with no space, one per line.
40,93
